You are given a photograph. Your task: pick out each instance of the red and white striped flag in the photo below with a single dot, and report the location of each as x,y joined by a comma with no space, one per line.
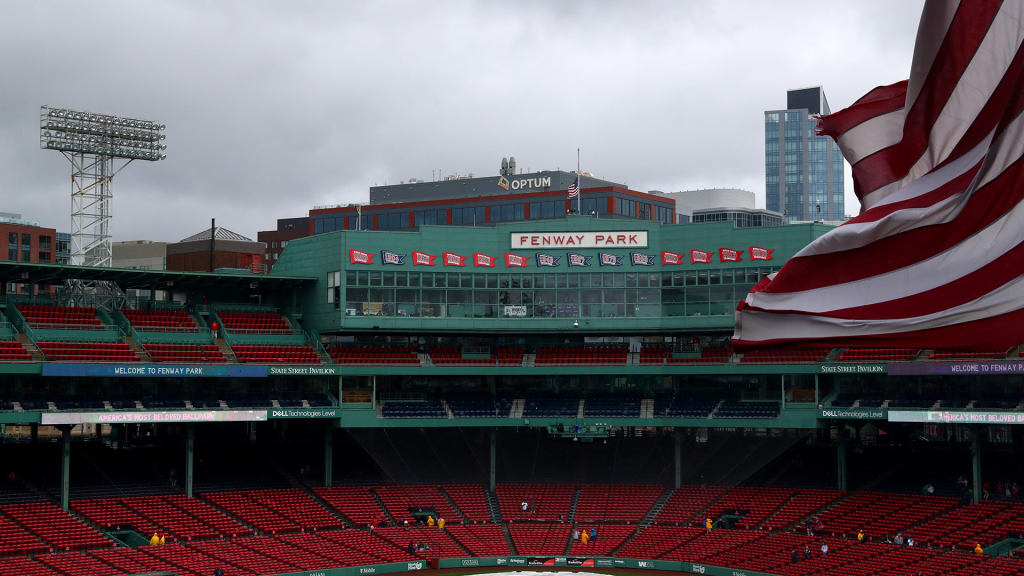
936,257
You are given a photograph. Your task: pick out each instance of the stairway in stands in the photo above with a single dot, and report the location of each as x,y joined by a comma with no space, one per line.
493,508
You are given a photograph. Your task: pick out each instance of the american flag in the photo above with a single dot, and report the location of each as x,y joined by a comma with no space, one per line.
574,188
935,258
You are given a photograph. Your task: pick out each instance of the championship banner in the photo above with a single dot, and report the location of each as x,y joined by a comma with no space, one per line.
757,253
700,257
547,260
422,259
639,259
389,257
606,259
668,258
516,261
359,257
578,259
727,255
451,259
483,260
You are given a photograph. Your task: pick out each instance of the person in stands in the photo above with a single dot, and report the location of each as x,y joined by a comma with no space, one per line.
708,524
585,537
593,532
824,548
524,505
807,551
214,327
412,547
576,534
155,540
440,523
218,572
795,556
430,521
162,540
978,549
860,535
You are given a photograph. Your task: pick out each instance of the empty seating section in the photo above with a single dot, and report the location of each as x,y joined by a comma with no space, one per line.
298,507
708,355
551,408
752,505
16,540
882,514
612,407
236,554
706,545
330,545
400,501
413,409
986,523
208,515
373,355
609,537
470,407
656,541
653,354
290,553
160,320
190,353
128,560
615,503
55,526
954,355
240,505
581,355
171,519
60,317
13,351
370,545
687,502
736,409
25,566
353,502
87,352
441,544
77,563
276,354
110,514
785,356
254,323
544,502
684,407
442,356
185,560
481,539
469,499
878,355
804,503
509,356
548,539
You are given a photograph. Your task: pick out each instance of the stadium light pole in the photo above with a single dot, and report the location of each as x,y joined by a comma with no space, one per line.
93,143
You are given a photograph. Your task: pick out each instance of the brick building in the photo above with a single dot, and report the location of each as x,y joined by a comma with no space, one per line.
276,240
215,249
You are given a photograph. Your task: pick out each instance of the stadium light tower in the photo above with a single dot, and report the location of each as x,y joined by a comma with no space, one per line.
92,143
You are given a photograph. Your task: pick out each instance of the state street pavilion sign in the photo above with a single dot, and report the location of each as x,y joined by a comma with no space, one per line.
603,239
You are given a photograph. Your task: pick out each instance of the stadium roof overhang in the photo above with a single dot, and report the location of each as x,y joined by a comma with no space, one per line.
46,274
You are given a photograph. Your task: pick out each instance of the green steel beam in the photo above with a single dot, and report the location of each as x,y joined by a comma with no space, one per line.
190,438
65,467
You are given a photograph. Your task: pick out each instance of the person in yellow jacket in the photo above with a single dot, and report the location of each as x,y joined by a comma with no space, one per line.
155,540
584,536
978,549
430,521
440,523
708,524
860,535
162,541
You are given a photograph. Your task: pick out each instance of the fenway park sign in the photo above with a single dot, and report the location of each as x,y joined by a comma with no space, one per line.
535,240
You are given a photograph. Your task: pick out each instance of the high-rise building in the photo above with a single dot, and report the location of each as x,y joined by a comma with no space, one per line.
803,171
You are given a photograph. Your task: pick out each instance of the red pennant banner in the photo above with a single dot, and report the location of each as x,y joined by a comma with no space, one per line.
452,259
728,255
671,258
700,257
483,260
516,261
422,259
359,257
757,253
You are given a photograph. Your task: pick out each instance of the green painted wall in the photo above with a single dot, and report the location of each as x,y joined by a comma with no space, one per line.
316,256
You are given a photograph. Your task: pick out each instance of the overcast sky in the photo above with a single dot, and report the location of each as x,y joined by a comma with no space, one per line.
274,107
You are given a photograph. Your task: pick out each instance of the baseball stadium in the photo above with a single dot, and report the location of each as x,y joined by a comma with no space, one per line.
550,393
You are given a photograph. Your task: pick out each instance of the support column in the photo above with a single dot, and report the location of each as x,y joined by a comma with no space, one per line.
329,455
841,468
65,466
494,460
679,460
190,449
976,464
782,388
817,396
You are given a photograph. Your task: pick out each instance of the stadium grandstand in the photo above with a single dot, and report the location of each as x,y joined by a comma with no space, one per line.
560,377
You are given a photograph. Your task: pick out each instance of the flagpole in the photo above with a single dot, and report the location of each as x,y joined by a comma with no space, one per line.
579,184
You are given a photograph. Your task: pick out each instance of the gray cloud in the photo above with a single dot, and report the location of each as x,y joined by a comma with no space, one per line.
275,107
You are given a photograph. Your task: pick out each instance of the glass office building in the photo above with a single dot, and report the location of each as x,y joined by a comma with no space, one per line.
803,171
